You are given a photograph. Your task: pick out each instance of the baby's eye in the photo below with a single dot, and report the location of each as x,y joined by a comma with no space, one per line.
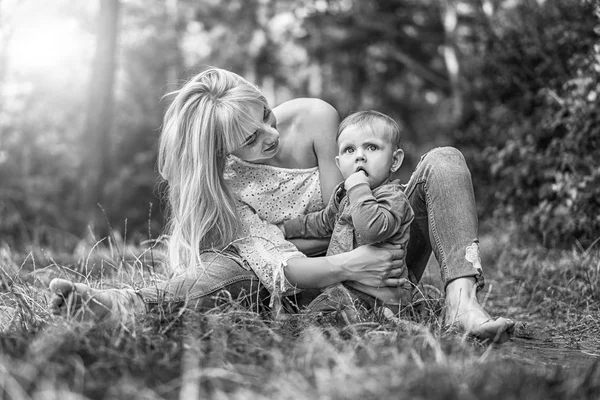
349,150
372,147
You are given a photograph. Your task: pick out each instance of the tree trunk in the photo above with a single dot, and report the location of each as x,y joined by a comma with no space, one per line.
96,166
175,29
5,35
450,21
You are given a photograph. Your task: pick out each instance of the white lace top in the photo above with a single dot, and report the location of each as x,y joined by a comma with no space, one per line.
267,195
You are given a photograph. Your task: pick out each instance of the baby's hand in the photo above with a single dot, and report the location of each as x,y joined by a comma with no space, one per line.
355,179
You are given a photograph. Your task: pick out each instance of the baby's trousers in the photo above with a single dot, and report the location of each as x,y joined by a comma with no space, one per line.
440,192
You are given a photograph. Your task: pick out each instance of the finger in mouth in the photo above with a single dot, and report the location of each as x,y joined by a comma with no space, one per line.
363,170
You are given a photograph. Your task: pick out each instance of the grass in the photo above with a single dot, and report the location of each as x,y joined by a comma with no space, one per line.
231,353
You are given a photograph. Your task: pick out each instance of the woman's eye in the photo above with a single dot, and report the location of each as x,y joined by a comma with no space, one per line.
271,118
250,140
267,114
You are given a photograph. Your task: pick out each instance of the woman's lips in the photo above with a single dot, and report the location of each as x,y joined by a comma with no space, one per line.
272,147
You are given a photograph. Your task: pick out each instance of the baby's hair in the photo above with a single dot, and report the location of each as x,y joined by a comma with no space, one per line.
207,120
364,118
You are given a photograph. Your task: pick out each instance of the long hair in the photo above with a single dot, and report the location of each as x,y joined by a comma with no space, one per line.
208,119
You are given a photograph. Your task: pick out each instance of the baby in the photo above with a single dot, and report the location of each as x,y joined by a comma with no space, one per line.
367,208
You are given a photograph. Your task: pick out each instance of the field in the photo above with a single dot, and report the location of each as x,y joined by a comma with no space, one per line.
232,353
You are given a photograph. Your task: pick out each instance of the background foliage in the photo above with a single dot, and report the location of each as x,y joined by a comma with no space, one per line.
512,83
535,130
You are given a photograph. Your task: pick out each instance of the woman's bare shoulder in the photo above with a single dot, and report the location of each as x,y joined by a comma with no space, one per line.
306,112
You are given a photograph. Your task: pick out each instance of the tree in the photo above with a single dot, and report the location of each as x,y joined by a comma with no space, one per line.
386,55
95,167
534,95
5,32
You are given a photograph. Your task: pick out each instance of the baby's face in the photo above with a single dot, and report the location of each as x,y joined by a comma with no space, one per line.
369,150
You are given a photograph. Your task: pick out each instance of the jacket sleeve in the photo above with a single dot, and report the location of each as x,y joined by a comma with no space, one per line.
315,225
378,218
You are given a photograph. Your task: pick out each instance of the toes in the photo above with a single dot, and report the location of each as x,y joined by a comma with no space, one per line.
501,337
76,300
509,329
67,297
511,326
495,331
504,330
57,302
61,286
61,290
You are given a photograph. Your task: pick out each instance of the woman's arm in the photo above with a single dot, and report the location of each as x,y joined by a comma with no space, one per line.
311,124
368,265
321,124
311,247
282,268
316,120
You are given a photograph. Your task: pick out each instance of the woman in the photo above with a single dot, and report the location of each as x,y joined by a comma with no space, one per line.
236,168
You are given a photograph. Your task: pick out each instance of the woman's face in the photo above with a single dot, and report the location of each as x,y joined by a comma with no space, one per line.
264,142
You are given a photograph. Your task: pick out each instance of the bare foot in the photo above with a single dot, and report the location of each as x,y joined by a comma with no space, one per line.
463,310
80,302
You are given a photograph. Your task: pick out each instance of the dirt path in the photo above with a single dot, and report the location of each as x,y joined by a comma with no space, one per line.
535,342
549,354
544,343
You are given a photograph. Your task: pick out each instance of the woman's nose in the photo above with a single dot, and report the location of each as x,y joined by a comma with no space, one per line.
271,135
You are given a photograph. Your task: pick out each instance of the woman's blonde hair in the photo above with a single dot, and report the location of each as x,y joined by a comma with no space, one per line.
207,120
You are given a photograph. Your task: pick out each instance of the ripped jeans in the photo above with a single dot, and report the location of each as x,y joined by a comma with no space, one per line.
440,192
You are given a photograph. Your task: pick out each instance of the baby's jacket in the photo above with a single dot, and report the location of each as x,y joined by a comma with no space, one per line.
357,217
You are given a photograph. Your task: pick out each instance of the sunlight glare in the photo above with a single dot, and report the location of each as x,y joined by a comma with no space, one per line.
44,44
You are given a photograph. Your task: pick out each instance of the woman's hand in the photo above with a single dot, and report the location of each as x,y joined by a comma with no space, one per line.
375,266
369,265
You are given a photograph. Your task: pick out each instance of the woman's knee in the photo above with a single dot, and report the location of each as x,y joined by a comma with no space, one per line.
218,268
446,155
448,160
217,272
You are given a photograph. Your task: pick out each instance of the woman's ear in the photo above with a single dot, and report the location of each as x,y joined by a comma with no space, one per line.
397,159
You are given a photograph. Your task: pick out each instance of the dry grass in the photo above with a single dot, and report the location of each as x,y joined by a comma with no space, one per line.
232,353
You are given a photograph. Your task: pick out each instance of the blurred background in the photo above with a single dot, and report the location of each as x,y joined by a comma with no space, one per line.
512,83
